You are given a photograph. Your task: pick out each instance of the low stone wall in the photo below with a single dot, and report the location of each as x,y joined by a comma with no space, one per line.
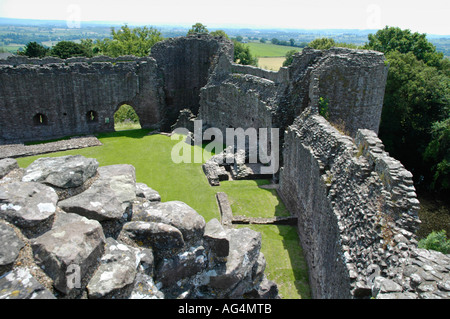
21,150
357,212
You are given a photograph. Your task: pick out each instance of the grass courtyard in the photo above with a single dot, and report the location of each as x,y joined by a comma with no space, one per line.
151,156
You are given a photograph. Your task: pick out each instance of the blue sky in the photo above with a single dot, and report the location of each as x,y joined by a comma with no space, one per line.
431,16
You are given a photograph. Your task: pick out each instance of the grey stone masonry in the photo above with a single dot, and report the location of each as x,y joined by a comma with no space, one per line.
357,215
114,239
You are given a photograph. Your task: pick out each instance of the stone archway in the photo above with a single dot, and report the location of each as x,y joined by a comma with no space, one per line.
126,118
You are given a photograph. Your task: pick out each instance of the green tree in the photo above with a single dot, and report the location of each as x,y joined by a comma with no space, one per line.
35,50
219,33
437,154
242,54
417,96
289,57
198,28
129,41
436,241
126,113
67,49
322,43
392,39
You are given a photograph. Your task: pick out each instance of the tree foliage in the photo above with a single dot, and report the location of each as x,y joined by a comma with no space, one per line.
67,49
437,154
219,33
328,43
415,114
129,41
392,39
126,113
35,50
437,240
242,54
289,57
198,28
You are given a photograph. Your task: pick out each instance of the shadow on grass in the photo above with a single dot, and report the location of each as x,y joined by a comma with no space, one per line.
291,243
139,133
281,243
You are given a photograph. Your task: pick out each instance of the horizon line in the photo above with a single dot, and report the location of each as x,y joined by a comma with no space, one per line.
218,26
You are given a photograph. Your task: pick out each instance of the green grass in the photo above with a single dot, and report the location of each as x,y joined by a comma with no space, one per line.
269,50
248,199
284,257
151,156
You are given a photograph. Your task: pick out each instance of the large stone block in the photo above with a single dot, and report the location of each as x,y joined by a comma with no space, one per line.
70,252
63,172
28,205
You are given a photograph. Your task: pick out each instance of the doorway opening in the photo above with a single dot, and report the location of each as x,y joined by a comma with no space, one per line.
126,118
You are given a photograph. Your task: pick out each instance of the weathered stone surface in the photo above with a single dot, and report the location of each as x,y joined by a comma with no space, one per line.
67,92
20,150
245,245
109,197
226,214
156,235
181,266
217,238
176,214
75,246
142,190
20,284
10,246
145,288
186,63
27,204
7,165
64,172
116,272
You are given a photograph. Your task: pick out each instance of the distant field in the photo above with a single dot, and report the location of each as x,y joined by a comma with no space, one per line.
273,64
270,56
269,50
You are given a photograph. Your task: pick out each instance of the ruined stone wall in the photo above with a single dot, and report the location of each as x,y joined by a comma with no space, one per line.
351,81
42,99
354,204
186,63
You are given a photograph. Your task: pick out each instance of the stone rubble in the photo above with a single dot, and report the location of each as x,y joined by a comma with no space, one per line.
156,249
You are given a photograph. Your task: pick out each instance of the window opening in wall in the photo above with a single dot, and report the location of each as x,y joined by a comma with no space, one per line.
40,119
126,118
92,117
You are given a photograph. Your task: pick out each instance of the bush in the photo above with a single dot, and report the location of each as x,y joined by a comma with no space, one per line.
124,113
436,241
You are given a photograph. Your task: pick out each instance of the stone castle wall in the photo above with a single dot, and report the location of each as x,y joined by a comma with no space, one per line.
356,206
42,100
186,64
357,215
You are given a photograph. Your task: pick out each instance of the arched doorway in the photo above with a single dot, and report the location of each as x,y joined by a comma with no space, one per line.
126,118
